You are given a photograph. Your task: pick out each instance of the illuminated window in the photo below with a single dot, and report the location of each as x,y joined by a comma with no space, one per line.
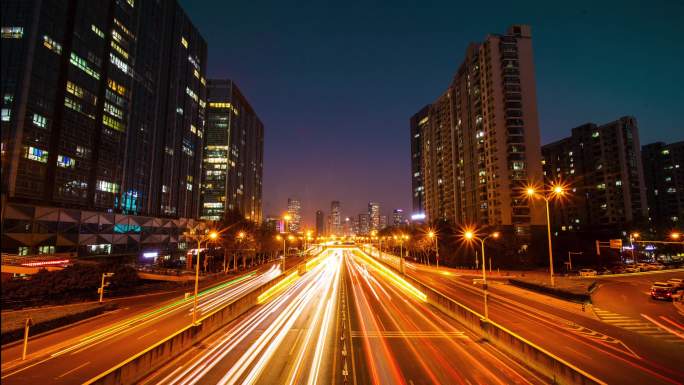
83,66
203,81
184,42
46,249
595,134
39,120
12,32
110,187
6,114
120,50
115,112
36,154
601,186
102,248
97,31
74,89
665,152
110,122
123,28
191,93
188,186
196,73
120,64
618,182
65,161
52,45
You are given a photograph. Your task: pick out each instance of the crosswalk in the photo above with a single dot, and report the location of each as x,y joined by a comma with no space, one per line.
636,325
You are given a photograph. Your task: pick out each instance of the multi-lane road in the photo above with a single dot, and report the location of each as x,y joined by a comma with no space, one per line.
351,319
612,352
74,354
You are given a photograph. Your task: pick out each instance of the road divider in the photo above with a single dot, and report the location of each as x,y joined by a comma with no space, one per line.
557,369
141,364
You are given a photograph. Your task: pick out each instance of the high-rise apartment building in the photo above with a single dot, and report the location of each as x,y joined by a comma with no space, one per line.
480,139
294,210
320,223
602,167
103,112
374,214
383,222
664,179
418,121
335,219
233,154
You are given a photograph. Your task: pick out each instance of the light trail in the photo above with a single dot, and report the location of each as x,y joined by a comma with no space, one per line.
316,291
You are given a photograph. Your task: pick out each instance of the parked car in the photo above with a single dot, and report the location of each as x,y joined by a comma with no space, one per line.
676,282
587,272
656,266
632,269
662,290
604,271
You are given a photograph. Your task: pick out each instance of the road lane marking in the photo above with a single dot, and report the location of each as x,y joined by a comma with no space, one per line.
146,334
72,370
672,322
676,333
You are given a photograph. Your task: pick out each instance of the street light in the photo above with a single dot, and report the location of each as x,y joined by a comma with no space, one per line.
240,237
469,235
431,235
632,237
556,190
675,235
213,235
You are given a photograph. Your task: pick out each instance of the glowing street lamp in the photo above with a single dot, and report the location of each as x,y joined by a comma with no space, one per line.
469,235
212,235
556,190
675,235
431,235
632,237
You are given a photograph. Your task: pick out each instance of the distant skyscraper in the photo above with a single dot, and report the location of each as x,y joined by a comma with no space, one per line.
602,165
664,179
294,209
374,214
233,154
364,224
480,139
273,224
348,227
103,114
335,219
397,217
320,223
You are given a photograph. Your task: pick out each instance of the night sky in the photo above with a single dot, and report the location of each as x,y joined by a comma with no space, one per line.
335,84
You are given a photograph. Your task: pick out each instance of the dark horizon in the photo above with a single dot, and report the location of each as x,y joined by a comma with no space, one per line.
336,105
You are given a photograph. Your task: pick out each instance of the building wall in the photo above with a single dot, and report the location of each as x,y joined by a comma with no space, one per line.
103,107
294,209
417,187
602,166
480,139
234,150
374,215
320,223
664,180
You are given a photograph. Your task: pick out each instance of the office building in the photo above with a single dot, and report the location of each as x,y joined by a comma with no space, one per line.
603,169
294,210
335,219
480,140
374,214
320,223
383,222
664,179
103,113
233,154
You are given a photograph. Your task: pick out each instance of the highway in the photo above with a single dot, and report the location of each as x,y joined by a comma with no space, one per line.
75,354
348,320
289,339
613,354
397,338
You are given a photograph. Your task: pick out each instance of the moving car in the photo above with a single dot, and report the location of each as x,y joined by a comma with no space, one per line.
587,272
662,290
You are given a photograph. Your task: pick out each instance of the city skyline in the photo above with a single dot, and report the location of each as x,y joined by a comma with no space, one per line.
568,87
